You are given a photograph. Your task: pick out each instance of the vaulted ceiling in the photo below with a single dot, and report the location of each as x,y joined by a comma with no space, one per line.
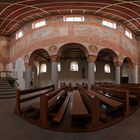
15,13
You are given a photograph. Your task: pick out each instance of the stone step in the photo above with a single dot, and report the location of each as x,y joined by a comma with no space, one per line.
5,84
7,93
4,88
7,90
6,96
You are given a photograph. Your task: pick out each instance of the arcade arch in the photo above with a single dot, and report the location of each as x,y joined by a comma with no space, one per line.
127,71
37,78
74,65
105,63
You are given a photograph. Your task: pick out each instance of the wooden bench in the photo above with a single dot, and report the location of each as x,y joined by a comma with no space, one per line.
107,100
92,104
122,95
78,108
134,90
49,102
23,96
59,115
53,97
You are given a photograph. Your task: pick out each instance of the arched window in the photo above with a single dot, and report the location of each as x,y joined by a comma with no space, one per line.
38,24
94,68
74,18
107,68
19,34
74,66
128,33
43,68
109,24
59,66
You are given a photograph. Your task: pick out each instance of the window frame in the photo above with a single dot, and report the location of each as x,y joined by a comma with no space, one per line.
94,68
59,67
37,22
18,36
41,69
73,17
128,33
72,63
106,68
107,22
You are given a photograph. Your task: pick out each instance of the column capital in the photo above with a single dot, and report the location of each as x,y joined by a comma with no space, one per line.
91,58
118,63
54,58
28,65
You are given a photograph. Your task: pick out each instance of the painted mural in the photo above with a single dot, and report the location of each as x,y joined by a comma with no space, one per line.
91,32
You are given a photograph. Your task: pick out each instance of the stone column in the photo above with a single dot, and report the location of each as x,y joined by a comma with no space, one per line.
54,73
91,63
28,76
118,73
135,74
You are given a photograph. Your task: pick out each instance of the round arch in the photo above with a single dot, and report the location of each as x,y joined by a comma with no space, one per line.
110,52
76,45
128,60
36,77
38,54
127,70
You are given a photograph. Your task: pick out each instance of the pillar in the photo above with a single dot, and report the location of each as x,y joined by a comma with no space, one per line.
28,76
135,74
91,63
54,73
118,73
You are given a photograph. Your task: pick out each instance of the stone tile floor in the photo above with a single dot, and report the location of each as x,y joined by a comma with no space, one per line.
14,128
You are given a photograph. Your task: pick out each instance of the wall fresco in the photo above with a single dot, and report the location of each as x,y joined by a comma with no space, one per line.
90,32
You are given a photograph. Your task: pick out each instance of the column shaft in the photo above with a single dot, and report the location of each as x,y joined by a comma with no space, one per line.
117,74
135,74
90,73
28,77
54,74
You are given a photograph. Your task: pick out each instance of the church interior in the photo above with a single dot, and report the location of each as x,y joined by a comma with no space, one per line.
69,69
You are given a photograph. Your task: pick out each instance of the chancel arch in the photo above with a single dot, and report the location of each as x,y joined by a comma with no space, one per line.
74,64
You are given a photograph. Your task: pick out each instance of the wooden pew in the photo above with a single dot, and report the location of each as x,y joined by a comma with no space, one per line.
122,95
134,90
49,102
107,100
92,104
59,115
52,99
78,109
28,95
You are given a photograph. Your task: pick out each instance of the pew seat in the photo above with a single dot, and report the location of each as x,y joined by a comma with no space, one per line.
59,115
51,102
78,108
107,100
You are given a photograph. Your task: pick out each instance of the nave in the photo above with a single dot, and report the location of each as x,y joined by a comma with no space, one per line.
77,109
13,127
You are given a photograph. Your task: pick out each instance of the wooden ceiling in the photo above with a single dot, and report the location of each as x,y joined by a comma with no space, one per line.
105,56
15,13
73,53
40,55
